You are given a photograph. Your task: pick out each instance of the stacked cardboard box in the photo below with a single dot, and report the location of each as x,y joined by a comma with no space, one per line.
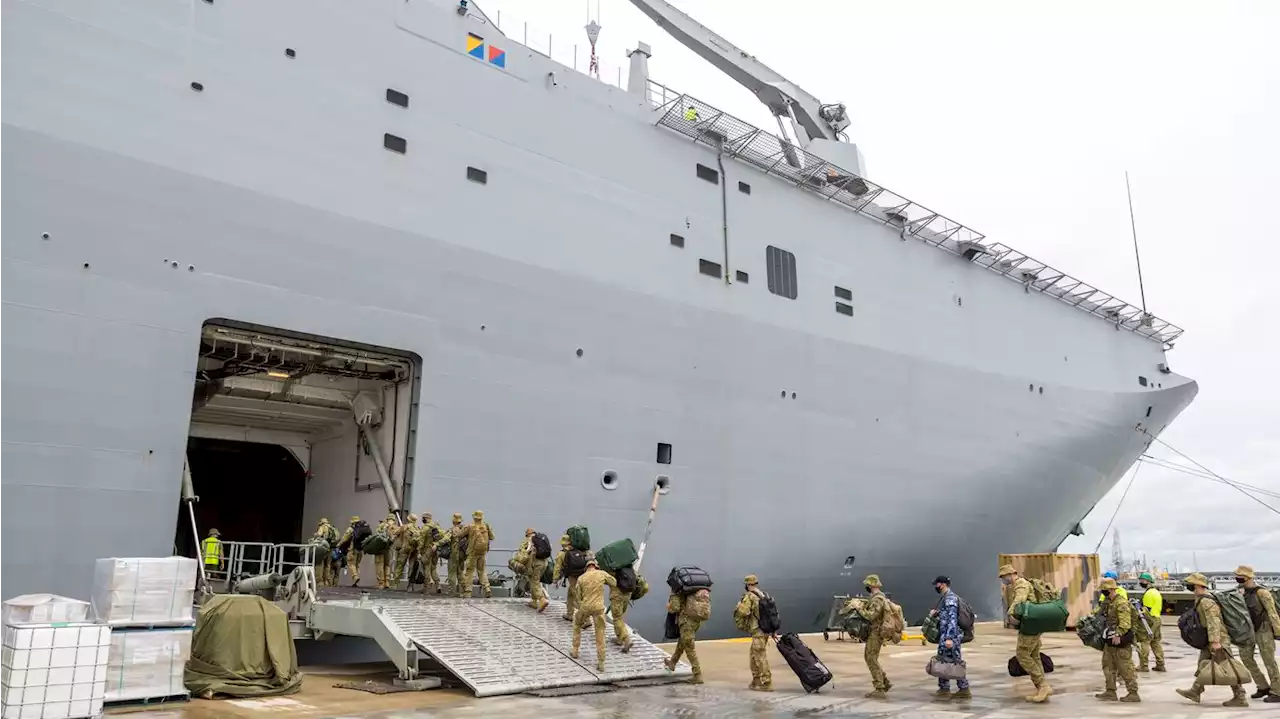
147,663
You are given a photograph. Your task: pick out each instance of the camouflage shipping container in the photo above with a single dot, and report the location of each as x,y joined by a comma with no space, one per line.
1075,576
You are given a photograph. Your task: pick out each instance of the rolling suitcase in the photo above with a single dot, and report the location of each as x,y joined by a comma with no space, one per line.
813,674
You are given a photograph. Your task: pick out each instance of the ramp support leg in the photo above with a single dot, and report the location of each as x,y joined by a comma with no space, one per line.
368,621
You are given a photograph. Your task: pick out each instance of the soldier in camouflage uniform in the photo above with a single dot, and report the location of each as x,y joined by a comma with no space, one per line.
534,568
1266,629
354,555
382,560
1028,651
1117,659
571,595
325,575
406,544
873,612
479,535
591,610
747,616
457,558
428,535
1219,640
688,636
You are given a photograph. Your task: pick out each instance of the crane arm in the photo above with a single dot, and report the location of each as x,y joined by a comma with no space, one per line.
782,97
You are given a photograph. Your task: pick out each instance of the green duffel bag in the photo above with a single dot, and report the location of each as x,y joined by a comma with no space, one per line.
1090,629
377,543
931,629
855,626
1038,618
616,555
549,573
579,537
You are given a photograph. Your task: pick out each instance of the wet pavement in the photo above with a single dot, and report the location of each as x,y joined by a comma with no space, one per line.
1077,677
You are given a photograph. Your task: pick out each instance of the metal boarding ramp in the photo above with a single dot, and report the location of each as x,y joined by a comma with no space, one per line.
494,646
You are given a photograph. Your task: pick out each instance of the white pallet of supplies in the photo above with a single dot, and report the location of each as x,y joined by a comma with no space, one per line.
53,671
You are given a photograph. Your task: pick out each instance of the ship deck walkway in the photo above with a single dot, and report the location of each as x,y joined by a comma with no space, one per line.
494,646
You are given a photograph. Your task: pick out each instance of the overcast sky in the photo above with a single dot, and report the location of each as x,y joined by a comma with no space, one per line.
1019,119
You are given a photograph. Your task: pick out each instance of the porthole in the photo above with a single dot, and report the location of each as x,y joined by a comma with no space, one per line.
663,484
609,480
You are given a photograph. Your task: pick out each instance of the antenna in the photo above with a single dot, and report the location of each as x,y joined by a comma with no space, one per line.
1133,226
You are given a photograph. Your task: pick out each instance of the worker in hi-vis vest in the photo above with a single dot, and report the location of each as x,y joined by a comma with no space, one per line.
211,550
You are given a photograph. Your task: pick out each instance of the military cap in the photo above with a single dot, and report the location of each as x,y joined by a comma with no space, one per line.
426,516
413,518
528,531
1245,571
1108,583
942,579
355,518
214,533
1146,576
324,520
872,580
477,514
591,559
750,579
564,540
1007,569
457,516
1198,579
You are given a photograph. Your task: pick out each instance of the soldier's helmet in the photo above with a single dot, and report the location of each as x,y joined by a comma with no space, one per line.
355,518
214,533
872,580
1245,571
477,514
413,519
1146,576
750,580
1197,579
457,517
1007,569
1108,584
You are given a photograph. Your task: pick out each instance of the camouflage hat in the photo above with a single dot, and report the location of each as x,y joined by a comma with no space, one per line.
1245,571
1007,569
413,518
872,580
750,580
477,514
355,518
214,533
426,516
1108,583
591,559
1197,579
1146,576
564,540
528,531
324,520
457,516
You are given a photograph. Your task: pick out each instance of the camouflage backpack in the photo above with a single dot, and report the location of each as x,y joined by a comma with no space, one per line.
893,624
1042,591
698,605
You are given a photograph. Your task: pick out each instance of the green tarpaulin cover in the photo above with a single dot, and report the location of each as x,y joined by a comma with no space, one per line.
242,648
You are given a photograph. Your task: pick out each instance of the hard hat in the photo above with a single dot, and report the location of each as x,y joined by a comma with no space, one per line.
1109,574
1146,576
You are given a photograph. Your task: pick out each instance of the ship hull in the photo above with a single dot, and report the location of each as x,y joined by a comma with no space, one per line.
904,442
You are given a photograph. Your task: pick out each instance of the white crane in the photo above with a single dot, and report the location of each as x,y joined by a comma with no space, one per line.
818,127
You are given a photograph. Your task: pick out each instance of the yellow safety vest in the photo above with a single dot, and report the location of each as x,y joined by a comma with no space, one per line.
1153,601
212,550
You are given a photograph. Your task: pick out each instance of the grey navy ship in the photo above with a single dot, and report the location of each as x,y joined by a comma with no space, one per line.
337,257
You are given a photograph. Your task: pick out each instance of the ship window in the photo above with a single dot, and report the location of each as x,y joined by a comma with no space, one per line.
744,188
1142,381
197,87
844,309
477,175
677,240
848,561
395,144
709,268
742,277
708,174
782,272
289,52
395,97
844,294
664,453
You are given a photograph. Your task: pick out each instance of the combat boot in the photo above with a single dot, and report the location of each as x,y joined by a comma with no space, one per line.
1042,694
1159,668
1262,692
1131,698
697,679
765,688
876,694
1189,694
1272,698
962,695
1107,696
942,695
626,644
600,665
668,664
1141,668
1239,700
